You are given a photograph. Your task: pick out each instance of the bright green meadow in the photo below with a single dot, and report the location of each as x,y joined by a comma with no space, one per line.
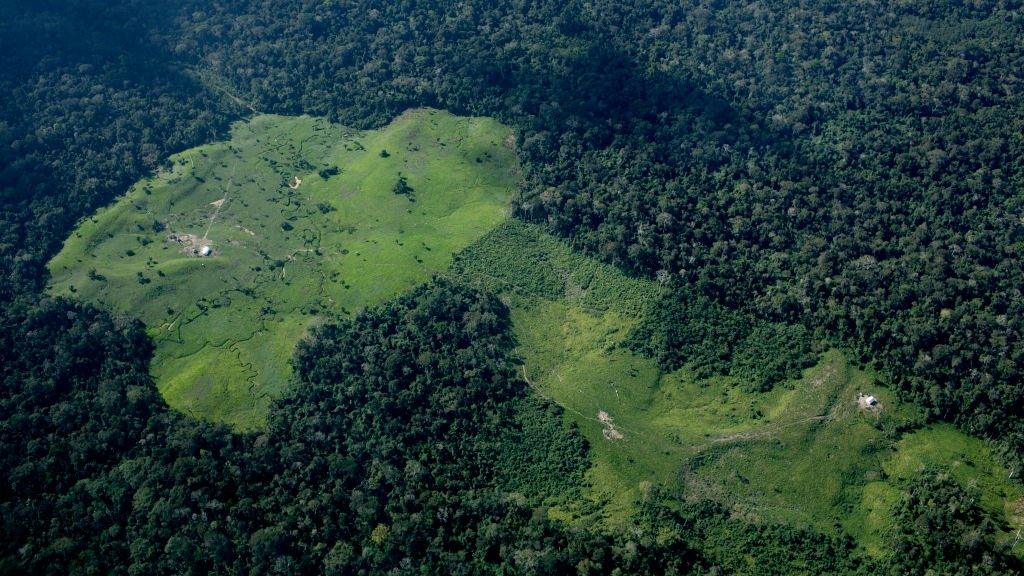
299,218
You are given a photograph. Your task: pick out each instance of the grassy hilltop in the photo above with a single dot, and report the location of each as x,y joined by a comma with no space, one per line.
297,218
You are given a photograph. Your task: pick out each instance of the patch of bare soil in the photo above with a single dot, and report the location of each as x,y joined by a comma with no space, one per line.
610,432
192,244
868,403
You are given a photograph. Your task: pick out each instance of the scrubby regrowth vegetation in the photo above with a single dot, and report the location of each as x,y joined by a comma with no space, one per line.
686,328
731,221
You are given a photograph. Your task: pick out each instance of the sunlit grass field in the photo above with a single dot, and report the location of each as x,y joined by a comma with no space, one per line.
301,219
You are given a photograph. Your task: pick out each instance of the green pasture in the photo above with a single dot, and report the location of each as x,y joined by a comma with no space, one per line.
302,219
804,453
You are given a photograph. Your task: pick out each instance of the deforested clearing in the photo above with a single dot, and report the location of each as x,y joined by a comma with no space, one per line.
232,252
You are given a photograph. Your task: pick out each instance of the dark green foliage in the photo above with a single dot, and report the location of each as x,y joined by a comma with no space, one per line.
59,364
402,378
402,186
89,103
691,329
940,528
861,178
861,181
735,546
539,454
326,173
688,328
770,353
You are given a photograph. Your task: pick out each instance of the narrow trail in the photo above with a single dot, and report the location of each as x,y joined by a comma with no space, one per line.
213,218
769,431
835,406
220,204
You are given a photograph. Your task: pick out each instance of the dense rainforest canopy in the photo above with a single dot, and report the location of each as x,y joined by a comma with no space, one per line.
853,169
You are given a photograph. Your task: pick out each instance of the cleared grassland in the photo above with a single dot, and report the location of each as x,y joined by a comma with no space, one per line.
804,453
300,219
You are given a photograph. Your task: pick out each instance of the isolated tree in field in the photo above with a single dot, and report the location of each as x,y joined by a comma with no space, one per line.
402,187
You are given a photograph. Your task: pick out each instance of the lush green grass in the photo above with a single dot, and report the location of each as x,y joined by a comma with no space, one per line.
283,256
803,453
